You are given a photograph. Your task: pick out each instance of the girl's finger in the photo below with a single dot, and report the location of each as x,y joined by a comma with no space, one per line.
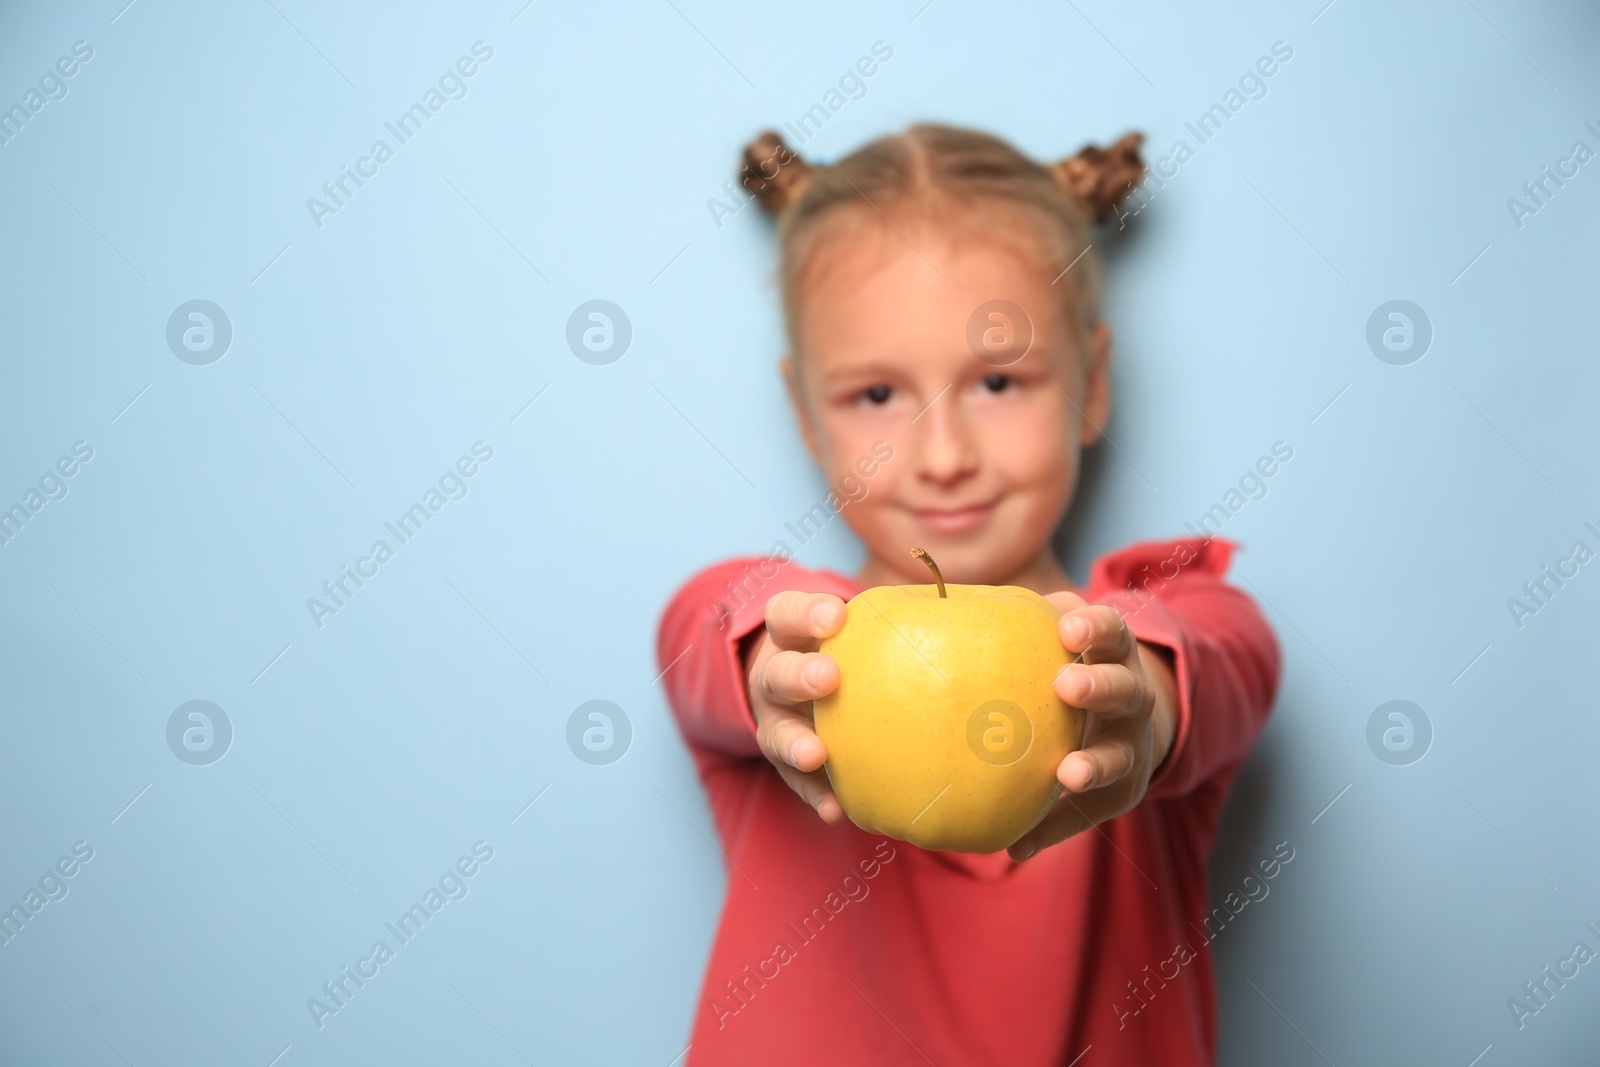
815,789
1065,602
1067,819
798,677
797,620
787,739
1097,633
1106,689
1072,815
1107,761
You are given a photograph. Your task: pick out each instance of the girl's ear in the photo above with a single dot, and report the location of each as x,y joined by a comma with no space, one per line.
1096,404
802,412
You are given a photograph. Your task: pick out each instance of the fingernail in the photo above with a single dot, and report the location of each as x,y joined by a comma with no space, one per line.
820,614
1024,854
809,674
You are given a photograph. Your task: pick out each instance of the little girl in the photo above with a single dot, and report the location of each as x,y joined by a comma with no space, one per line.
946,363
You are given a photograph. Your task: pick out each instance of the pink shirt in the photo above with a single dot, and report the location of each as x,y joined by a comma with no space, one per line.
839,946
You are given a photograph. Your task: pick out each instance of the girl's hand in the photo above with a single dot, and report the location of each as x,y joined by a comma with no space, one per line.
785,673
1128,690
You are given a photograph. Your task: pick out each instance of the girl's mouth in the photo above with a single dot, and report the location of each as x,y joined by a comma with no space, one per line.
949,521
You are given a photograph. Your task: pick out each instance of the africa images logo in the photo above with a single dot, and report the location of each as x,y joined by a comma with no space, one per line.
452,485
852,889
199,733
452,85
451,886
199,332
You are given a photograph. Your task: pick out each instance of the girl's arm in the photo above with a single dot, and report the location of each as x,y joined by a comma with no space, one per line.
1177,671
1225,658
707,627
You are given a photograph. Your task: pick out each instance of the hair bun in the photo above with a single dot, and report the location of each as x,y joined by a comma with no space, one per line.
773,173
1103,177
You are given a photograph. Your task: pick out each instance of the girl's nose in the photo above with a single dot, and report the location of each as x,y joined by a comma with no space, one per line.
948,451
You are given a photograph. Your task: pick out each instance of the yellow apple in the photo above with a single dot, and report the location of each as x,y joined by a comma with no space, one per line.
945,730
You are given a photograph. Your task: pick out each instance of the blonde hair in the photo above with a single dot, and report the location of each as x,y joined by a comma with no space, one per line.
934,167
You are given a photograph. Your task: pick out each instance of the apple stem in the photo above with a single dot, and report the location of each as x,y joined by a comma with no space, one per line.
922,554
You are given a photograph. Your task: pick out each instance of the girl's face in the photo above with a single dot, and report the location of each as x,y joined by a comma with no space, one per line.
985,456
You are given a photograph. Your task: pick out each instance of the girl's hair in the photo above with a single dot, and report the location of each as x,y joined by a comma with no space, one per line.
934,168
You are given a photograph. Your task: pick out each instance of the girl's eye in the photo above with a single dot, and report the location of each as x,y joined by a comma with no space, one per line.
877,394
997,383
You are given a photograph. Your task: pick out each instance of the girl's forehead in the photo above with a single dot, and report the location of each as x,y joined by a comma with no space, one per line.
919,281
867,239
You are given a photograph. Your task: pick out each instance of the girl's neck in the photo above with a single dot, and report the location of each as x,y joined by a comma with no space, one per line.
1044,574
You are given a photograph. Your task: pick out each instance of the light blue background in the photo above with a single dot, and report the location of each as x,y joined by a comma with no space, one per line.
432,709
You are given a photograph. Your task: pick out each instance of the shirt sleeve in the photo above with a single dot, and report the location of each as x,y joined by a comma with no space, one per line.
698,646
1226,659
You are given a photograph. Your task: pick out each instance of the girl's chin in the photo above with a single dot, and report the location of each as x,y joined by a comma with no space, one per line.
962,560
